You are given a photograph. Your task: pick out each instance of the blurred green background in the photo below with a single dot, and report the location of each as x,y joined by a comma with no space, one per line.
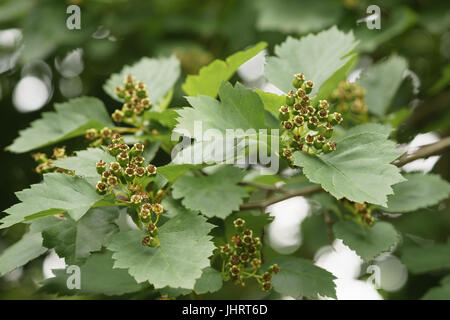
34,41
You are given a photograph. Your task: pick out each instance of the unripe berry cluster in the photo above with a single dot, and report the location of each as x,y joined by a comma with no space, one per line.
99,136
348,99
135,97
125,177
306,126
45,164
360,210
242,258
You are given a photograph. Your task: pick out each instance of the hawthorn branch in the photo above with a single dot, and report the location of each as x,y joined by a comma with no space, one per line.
422,152
265,187
264,204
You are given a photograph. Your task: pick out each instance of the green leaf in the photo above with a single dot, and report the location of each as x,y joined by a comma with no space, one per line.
426,258
173,207
21,252
178,262
360,169
70,119
272,102
210,281
367,242
318,57
83,164
58,191
209,79
381,82
214,195
439,293
238,107
173,171
300,277
239,110
75,240
297,16
97,277
159,75
166,117
419,191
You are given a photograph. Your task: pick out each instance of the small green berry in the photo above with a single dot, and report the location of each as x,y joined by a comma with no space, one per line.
139,171
298,80
123,158
319,141
235,270
115,168
323,104
329,146
308,86
100,166
91,134
151,170
274,268
112,181
309,139
266,286
158,208
136,198
101,187
301,93
105,132
267,276
116,138
283,113
312,123
290,98
288,125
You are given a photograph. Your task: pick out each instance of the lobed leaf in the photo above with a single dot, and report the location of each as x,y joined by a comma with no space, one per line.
210,281
367,242
177,263
57,194
70,119
381,82
209,79
360,169
318,57
97,277
426,258
300,277
214,195
21,252
75,240
419,191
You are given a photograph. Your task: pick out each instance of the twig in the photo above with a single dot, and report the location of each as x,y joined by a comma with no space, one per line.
424,152
264,204
265,187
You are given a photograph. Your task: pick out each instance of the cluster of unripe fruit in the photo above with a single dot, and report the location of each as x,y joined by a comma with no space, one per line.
135,97
361,210
306,126
348,98
126,174
242,258
45,164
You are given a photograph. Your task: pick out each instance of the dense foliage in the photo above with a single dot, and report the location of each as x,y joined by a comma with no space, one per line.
114,193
